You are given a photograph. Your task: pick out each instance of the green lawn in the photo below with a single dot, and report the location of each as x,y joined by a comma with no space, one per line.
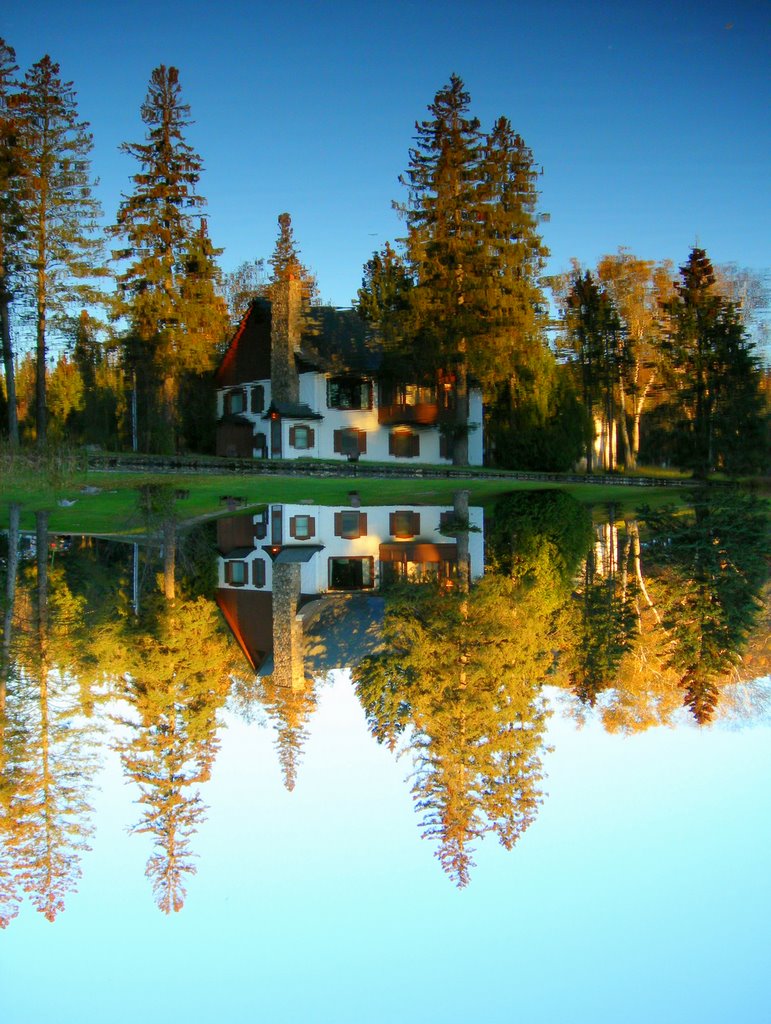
114,509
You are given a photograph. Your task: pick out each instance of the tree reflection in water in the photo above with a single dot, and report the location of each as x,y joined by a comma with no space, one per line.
632,620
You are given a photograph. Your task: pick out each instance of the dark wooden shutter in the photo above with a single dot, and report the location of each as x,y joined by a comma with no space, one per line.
338,524
311,437
311,526
415,523
258,398
293,526
292,436
362,441
362,524
258,572
414,444
392,444
338,442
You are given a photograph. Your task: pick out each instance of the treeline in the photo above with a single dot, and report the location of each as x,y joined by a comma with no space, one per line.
111,337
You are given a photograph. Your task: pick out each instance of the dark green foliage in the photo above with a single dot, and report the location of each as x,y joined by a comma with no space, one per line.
714,378
712,566
533,529
539,424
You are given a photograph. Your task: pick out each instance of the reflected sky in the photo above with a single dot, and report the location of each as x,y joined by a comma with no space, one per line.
639,892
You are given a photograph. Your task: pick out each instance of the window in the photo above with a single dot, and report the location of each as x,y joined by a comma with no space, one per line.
350,525
257,403
235,573
261,525
258,572
351,573
350,441
234,403
302,436
404,444
302,527
349,393
404,524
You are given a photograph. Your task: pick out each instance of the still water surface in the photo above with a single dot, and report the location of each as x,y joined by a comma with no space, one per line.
417,773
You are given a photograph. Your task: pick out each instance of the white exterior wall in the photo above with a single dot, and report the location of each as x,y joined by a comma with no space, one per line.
315,573
313,392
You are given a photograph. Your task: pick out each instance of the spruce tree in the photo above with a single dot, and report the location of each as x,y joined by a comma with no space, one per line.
61,251
714,376
473,251
158,223
12,183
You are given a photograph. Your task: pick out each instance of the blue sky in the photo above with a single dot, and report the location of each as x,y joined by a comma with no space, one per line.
650,121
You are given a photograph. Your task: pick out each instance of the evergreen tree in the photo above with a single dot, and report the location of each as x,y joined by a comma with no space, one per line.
593,335
473,252
442,244
61,252
715,378
168,284
12,184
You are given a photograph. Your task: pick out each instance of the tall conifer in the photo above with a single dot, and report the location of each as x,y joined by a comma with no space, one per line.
159,221
61,251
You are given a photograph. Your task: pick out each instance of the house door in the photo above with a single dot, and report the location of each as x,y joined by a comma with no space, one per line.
275,439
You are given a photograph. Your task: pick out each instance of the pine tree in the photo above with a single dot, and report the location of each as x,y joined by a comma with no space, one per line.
473,251
158,222
12,184
442,243
715,377
61,251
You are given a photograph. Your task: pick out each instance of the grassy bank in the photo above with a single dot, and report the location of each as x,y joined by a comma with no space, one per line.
113,509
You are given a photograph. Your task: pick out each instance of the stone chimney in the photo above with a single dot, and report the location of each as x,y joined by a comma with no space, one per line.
285,340
288,639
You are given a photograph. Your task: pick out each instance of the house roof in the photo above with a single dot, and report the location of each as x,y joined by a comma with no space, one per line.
333,341
248,354
292,411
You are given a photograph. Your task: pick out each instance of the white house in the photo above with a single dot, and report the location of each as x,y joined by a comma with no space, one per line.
288,390
274,565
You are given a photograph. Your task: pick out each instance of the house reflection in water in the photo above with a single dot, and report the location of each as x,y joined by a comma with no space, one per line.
292,565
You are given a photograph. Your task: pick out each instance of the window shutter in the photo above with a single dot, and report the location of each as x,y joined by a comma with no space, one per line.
362,524
415,523
362,441
311,437
338,442
415,444
392,523
293,526
311,527
392,444
444,447
258,398
338,524
292,436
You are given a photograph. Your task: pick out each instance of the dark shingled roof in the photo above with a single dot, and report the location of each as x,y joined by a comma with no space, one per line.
292,411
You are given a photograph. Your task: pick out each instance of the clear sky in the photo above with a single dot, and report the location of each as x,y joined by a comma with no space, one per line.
650,120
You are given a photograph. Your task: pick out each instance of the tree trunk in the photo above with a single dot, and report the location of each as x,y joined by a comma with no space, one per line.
169,558
8,367
630,461
460,439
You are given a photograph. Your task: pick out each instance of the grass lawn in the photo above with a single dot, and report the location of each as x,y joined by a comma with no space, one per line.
114,509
